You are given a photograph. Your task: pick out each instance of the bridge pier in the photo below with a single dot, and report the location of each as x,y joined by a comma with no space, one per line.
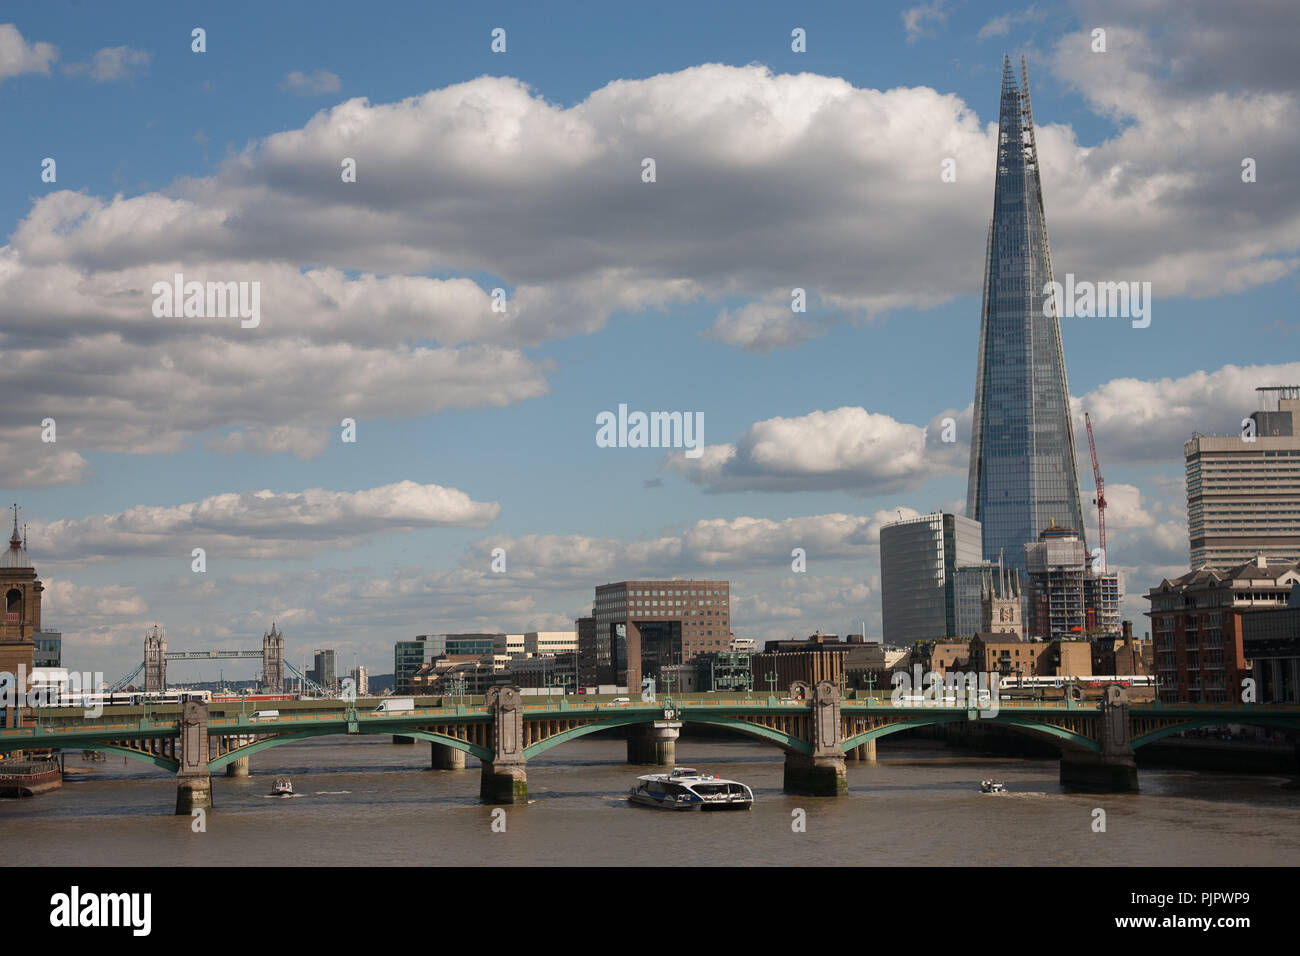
1113,769
809,776
504,779
653,745
863,752
193,780
402,739
237,768
443,757
822,772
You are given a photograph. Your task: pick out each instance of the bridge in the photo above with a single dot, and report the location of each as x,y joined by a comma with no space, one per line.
817,731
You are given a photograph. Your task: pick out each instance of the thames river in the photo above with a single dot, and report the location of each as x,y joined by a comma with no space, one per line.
367,801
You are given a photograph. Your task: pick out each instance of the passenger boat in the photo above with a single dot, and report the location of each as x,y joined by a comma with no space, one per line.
283,787
993,786
687,789
26,778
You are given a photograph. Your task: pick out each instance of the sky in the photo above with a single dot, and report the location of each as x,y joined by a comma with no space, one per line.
133,157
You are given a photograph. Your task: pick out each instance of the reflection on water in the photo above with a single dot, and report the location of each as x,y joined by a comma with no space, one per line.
368,801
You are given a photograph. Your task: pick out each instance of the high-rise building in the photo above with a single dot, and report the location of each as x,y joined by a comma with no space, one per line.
1243,491
323,670
1067,598
360,680
49,649
919,558
1023,470
644,626
408,658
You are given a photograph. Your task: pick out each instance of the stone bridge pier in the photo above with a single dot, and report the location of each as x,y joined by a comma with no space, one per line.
444,757
504,779
653,745
1114,769
193,779
821,773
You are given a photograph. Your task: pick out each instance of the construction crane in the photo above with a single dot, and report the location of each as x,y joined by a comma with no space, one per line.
1101,492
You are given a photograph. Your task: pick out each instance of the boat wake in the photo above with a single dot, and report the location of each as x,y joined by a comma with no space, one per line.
330,792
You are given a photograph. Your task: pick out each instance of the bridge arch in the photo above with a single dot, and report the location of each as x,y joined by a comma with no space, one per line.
1058,736
786,742
279,739
163,763
1291,725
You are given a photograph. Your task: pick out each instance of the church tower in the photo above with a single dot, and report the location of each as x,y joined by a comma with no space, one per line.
21,590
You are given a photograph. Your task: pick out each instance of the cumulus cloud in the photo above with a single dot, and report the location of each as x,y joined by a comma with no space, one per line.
846,448
915,18
311,84
261,524
17,56
1147,422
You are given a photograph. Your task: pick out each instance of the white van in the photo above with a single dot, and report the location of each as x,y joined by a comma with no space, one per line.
395,705
264,715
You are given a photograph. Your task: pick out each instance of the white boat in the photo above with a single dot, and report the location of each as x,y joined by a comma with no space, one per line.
283,787
687,789
993,786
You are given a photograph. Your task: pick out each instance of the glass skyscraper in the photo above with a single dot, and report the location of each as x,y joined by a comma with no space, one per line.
1023,472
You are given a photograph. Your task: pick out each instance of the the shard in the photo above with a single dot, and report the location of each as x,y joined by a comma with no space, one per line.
1023,474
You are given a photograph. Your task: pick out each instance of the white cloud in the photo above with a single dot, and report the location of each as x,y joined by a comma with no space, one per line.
845,448
17,56
302,443
1001,25
312,84
260,524
914,18
117,63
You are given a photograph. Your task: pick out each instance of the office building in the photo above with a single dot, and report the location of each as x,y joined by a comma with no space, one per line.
586,629
919,558
322,670
408,658
987,597
1023,469
643,626
1197,627
550,642
360,680
1243,491
49,649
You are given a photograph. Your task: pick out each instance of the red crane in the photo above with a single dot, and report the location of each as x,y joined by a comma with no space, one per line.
1101,491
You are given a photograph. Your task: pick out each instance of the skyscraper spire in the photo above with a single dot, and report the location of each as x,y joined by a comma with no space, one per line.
1023,471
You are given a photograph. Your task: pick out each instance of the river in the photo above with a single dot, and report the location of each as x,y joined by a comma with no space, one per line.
367,801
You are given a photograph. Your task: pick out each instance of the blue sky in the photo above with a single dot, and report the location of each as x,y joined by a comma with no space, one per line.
775,170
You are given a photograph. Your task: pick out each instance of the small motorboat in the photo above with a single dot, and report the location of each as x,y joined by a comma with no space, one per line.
993,786
283,787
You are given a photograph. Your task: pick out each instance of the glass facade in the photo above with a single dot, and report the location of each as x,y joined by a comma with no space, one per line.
1023,469
919,558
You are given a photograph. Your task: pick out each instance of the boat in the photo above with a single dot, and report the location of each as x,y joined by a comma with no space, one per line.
26,778
283,787
993,786
688,789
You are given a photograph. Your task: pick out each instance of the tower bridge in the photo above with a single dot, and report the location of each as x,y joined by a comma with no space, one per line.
156,656
817,731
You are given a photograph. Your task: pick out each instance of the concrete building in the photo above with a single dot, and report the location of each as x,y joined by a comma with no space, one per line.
586,629
744,645
643,626
869,664
1196,627
726,671
1008,655
1067,598
919,558
545,670
512,645
550,642
322,670
360,680
1243,491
